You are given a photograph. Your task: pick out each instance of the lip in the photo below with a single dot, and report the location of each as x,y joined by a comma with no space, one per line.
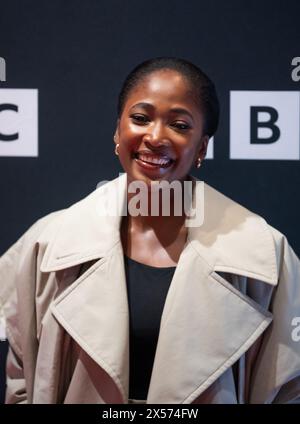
153,155
150,166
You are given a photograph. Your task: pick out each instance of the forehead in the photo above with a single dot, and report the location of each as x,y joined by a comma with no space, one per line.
166,85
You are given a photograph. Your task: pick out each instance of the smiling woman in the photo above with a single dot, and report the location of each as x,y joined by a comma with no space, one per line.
144,307
167,111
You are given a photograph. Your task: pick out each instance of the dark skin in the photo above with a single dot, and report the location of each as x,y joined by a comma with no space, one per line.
159,240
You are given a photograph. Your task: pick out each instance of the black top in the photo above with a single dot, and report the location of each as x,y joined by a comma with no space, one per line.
147,288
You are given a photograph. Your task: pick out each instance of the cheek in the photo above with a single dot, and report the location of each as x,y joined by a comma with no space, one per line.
187,153
129,136
185,161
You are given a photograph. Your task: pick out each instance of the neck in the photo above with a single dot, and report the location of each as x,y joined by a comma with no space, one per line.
153,208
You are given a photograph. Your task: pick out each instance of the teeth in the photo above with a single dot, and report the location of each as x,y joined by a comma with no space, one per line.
155,161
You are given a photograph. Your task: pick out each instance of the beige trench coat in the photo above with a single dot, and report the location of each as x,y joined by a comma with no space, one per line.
226,328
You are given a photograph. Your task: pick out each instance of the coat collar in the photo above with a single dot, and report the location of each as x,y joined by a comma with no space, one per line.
206,324
230,239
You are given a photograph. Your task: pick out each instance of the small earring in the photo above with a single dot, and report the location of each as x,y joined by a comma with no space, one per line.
198,163
117,149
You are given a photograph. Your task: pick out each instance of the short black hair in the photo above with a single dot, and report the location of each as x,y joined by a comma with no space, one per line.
205,91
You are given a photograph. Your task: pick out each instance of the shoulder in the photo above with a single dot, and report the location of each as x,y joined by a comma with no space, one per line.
69,224
227,210
44,230
242,234
30,236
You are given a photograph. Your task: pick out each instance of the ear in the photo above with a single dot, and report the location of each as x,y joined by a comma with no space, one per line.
203,147
116,135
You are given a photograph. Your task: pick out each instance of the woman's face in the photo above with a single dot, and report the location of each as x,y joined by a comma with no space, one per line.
160,131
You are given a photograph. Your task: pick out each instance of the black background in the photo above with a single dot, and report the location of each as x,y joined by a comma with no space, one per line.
77,53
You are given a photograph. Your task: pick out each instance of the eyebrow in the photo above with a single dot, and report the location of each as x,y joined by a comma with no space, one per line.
144,105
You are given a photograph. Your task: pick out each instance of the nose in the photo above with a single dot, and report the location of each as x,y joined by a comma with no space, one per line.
156,137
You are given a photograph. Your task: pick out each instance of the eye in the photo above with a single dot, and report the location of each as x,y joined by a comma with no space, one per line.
139,118
182,126
142,119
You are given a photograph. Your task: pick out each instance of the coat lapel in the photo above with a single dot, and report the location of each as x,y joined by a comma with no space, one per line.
206,324
94,311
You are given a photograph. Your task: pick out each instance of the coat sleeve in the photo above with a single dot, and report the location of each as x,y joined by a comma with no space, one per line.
19,270
276,375
8,269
